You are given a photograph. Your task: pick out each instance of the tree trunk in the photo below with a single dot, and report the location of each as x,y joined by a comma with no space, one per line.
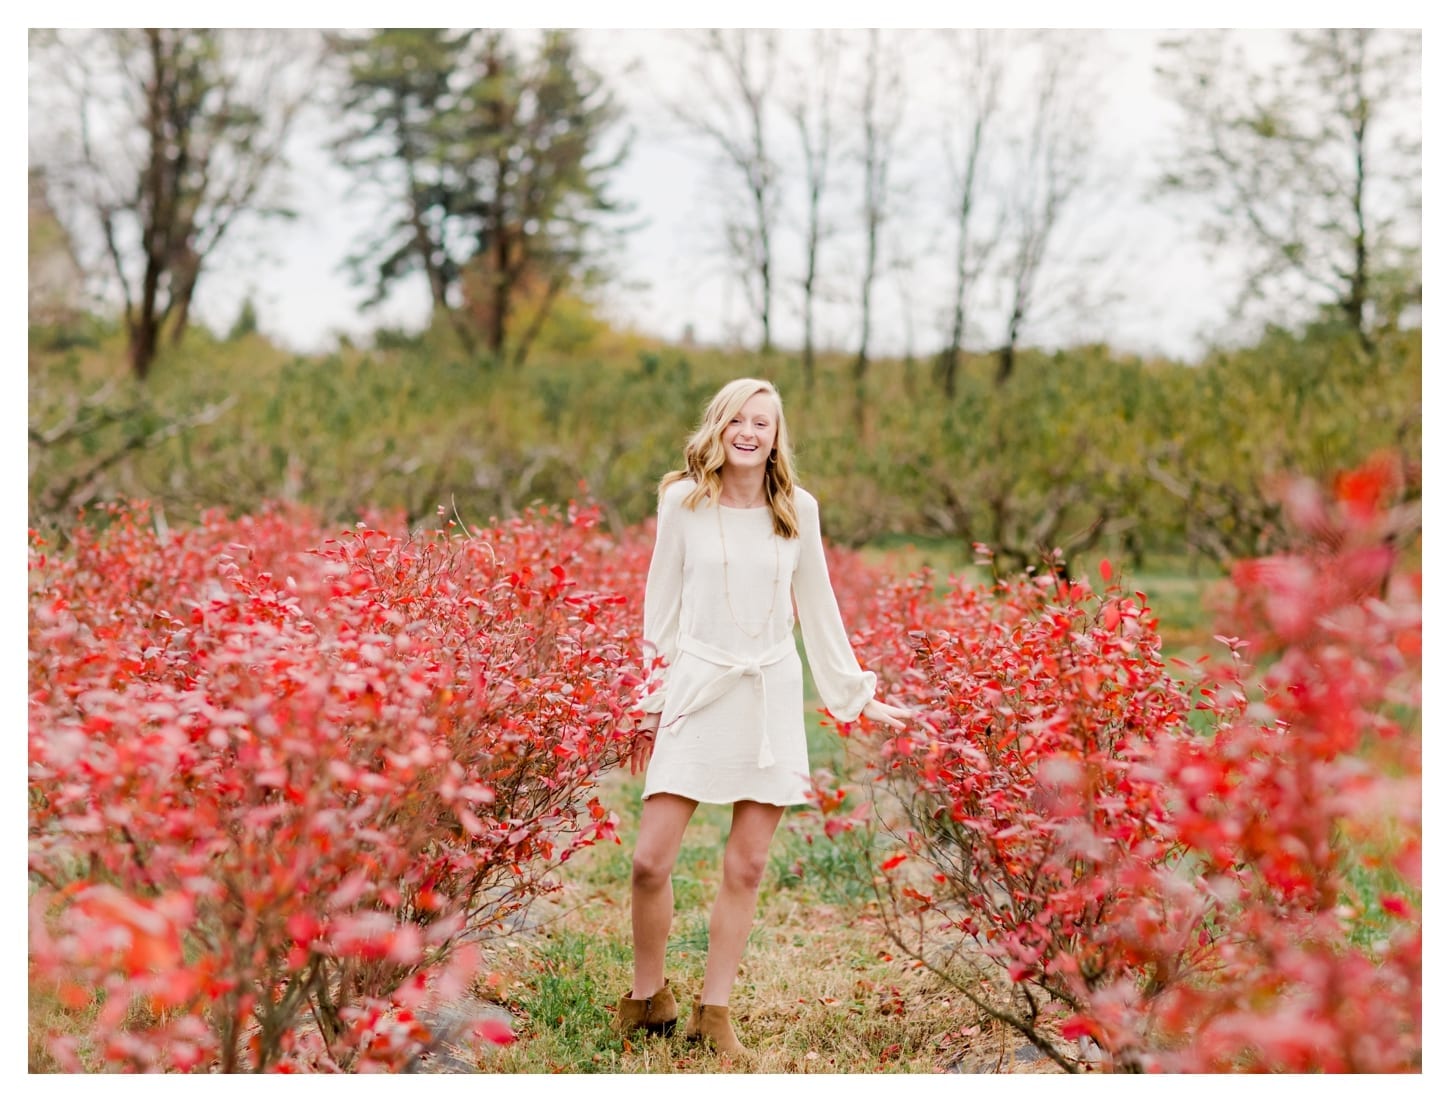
497,322
142,350
951,357
808,353
875,156
814,127
422,238
815,172
186,273
1007,354
1006,361
947,365
980,94
766,345
556,284
1359,278
143,323
464,331
858,369
437,280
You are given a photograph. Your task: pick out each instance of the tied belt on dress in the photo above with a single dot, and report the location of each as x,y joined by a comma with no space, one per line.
732,669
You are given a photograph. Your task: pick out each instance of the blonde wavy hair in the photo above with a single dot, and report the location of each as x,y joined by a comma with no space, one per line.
705,455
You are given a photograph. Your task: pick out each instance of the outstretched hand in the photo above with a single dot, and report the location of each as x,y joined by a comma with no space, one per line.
878,711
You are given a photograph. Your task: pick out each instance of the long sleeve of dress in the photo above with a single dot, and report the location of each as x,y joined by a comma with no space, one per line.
844,686
663,590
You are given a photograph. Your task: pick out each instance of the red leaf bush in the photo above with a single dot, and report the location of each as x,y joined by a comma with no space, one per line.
1296,803
1024,792
1142,874
281,785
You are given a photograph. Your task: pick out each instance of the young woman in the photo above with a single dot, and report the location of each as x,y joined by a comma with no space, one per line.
737,539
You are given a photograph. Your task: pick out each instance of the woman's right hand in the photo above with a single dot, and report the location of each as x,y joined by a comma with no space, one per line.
644,742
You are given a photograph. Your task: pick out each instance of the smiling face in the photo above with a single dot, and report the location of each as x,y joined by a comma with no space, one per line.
750,434
743,440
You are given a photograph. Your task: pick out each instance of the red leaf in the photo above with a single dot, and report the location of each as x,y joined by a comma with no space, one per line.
303,927
495,1031
73,996
1075,1027
1395,905
836,826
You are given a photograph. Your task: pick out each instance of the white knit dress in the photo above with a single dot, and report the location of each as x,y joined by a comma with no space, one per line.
732,724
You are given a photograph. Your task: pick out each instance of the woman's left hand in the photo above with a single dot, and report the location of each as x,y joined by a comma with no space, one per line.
894,717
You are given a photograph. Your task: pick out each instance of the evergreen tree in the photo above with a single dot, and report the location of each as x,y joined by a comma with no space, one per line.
501,161
399,86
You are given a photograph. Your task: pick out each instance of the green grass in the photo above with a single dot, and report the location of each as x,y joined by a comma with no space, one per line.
564,1011
944,555
690,937
413,423
1369,877
833,870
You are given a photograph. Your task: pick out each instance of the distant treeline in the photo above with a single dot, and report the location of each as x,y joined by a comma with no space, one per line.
1080,450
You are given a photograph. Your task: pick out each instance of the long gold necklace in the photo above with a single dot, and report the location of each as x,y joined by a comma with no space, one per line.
725,571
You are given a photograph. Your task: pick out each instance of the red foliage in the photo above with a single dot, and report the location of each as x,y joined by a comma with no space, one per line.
277,780
1181,899
1294,794
856,581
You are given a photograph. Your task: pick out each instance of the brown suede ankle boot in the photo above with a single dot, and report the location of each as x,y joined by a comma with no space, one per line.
711,1024
656,1014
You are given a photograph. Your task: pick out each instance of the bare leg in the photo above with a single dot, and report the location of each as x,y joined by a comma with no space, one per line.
662,823
751,828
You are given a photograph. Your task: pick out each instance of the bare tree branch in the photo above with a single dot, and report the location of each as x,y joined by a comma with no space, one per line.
735,121
882,105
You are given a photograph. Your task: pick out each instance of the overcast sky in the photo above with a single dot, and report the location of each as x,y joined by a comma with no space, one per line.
672,274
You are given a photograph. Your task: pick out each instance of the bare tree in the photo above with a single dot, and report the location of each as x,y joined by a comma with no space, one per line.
882,104
811,109
737,71
980,78
1051,169
166,140
1312,165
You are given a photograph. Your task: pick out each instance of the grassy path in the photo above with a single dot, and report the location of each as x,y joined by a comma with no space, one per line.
821,988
